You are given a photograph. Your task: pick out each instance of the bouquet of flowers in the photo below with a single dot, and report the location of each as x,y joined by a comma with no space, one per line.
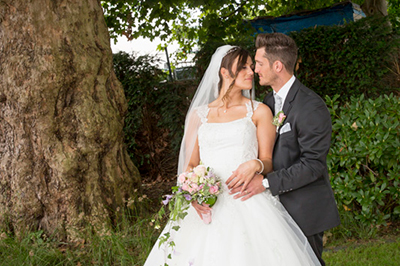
200,184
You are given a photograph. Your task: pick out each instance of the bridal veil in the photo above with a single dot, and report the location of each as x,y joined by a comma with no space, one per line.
206,92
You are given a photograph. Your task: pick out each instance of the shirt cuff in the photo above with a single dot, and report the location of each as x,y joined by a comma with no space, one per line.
265,183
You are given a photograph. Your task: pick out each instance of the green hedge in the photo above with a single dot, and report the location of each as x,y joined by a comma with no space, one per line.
356,58
156,112
349,60
364,158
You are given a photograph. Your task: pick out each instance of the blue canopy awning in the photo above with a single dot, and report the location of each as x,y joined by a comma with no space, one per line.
337,14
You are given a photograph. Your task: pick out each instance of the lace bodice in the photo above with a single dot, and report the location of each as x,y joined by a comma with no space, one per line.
224,146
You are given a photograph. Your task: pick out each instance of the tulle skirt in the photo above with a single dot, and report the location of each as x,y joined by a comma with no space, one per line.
256,232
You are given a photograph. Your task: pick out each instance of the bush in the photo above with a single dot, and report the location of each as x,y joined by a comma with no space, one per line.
364,158
156,113
349,60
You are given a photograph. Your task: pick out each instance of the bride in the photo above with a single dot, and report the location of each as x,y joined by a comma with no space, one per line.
225,129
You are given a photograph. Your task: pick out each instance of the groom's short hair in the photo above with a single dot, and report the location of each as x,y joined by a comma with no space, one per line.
278,46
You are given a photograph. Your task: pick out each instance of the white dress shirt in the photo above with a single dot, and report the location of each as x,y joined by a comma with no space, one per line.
283,92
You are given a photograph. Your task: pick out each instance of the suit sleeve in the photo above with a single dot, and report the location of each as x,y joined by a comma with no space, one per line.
314,129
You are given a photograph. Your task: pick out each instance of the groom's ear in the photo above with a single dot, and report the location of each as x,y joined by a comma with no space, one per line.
278,66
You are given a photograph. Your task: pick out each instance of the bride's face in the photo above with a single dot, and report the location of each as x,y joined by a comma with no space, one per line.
244,79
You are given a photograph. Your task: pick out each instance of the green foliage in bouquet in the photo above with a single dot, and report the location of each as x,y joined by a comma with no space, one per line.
364,158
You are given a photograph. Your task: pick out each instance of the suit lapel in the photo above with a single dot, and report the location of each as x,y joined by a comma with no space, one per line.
270,101
290,97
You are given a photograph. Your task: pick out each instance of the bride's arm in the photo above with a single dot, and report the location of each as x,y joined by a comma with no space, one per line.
195,157
266,132
242,176
194,161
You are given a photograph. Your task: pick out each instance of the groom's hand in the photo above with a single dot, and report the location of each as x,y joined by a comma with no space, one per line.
242,176
253,188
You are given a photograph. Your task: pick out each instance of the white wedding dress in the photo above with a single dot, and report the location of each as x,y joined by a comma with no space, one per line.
256,232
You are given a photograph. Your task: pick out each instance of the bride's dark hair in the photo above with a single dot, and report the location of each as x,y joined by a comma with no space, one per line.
227,63
206,93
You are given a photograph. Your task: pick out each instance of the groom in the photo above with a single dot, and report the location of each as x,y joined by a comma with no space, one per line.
300,175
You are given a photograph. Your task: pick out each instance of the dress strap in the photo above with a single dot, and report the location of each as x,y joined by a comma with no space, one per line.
202,112
251,108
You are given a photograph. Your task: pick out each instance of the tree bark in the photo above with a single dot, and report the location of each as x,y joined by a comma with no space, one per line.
62,159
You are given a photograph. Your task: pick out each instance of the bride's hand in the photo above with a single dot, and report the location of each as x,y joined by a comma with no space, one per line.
203,208
243,175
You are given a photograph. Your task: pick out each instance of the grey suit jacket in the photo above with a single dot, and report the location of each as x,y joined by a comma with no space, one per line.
300,175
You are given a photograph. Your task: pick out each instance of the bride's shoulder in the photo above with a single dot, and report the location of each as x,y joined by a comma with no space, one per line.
201,111
261,109
257,105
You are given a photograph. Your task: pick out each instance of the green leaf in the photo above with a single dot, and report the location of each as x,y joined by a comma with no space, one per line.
176,228
211,201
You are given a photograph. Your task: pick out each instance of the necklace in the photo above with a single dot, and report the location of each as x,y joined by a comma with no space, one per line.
226,109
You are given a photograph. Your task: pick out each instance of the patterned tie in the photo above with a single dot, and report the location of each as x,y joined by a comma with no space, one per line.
278,103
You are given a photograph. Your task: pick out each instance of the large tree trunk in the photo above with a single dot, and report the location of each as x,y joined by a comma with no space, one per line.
63,162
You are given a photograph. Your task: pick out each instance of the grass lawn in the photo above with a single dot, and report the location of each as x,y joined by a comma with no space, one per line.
131,249
383,251
130,243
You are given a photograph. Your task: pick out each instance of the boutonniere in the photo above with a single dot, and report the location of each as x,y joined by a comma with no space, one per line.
278,119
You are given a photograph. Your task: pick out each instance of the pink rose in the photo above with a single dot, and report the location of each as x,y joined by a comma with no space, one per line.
195,186
182,178
185,187
281,117
213,190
